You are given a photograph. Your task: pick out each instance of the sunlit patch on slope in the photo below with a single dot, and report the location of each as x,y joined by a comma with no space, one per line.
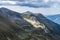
35,23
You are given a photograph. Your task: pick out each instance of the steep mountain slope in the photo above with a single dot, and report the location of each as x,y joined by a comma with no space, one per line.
49,24
54,18
13,27
16,26
39,20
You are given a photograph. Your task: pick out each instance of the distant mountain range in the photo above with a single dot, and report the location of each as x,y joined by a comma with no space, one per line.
54,18
27,26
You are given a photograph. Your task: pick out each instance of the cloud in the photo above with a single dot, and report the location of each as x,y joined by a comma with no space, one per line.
46,7
12,0
32,3
7,2
36,3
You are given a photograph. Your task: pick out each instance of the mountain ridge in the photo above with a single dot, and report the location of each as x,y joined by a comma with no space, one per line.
16,26
54,18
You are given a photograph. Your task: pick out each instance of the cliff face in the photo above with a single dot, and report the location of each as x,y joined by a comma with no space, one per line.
26,26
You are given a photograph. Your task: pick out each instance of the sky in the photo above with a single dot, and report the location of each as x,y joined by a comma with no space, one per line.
46,7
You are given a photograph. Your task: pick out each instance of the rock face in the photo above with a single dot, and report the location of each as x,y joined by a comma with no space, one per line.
26,26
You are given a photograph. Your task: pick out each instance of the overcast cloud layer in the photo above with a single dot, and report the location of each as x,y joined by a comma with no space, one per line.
39,6
31,3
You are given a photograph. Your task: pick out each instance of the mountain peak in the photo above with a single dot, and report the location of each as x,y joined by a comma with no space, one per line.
28,12
3,8
9,13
